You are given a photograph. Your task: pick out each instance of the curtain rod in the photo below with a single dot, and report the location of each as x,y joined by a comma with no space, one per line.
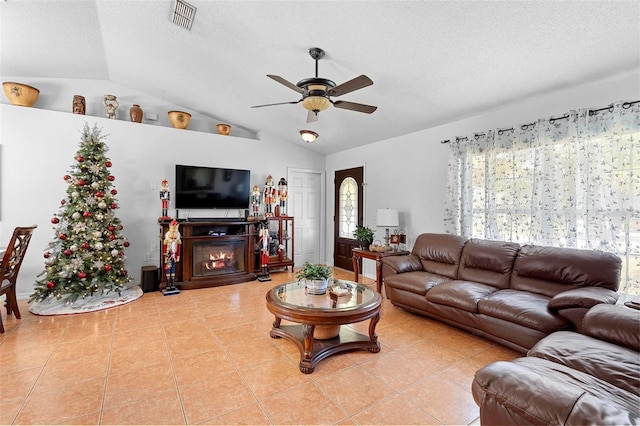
625,105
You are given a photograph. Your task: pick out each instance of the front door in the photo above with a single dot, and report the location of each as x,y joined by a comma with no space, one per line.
348,214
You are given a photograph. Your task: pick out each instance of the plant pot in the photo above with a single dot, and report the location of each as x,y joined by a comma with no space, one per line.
223,129
20,94
317,286
323,332
179,119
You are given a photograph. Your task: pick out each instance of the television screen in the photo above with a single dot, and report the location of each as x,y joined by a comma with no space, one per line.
211,188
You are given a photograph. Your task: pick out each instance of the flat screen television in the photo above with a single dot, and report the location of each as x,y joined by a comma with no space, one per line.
211,188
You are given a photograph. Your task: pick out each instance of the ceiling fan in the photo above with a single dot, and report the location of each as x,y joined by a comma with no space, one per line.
317,92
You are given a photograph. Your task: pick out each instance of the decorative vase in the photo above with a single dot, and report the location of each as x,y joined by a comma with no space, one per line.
79,105
324,332
136,113
224,129
20,94
179,119
317,286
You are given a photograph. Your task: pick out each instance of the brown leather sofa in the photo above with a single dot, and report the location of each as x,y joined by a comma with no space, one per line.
514,295
569,378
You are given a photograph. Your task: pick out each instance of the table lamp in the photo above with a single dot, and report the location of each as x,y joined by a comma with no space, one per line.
387,218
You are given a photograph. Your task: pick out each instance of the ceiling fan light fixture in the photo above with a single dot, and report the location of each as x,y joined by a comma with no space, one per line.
308,136
316,103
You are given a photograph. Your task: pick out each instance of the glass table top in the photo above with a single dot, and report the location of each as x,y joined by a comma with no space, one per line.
340,295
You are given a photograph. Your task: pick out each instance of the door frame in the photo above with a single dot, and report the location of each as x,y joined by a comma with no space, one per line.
323,212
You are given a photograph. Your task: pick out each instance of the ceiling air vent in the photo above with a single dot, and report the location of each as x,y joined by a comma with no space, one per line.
183,14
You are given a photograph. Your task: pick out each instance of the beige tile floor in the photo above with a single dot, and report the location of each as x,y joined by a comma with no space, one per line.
205,357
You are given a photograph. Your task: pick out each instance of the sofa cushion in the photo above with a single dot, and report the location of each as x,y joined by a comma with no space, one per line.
460,294
523,308
551,270
615,324
418,282
488,262
439,253
614,364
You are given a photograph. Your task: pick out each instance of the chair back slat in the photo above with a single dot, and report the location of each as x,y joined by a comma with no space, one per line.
15,253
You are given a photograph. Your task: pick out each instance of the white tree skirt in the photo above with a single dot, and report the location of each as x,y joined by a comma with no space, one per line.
52,306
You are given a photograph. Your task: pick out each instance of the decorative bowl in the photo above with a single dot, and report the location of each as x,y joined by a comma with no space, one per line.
179,119
20,94
224,129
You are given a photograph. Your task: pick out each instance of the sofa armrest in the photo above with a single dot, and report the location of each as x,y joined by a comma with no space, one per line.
584,297
403,263
614,324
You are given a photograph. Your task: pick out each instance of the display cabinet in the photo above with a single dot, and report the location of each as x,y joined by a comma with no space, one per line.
280,242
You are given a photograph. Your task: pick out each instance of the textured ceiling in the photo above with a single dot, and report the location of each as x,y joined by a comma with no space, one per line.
432,62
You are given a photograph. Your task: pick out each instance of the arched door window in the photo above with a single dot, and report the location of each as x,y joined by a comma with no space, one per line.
348,209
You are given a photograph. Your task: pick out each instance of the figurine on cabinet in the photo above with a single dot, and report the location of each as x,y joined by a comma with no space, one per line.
282,195
165,196
255,200
171,248
269,196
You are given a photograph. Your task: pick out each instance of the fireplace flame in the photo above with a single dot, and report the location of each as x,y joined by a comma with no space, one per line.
219,260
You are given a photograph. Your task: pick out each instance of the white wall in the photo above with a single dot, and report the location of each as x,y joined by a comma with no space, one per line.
38,147
409,172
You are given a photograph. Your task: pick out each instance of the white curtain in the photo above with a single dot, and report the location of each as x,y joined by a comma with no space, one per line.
568,181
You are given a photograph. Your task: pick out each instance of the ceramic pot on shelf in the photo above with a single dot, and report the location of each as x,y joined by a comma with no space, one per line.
179,119
20,94
135,113
79,104
224,129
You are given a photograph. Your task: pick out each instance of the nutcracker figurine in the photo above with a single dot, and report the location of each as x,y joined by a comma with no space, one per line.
264,252
269,196
165,196
282,195
255,200
171,248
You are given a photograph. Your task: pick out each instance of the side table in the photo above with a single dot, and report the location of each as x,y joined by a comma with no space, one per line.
373,255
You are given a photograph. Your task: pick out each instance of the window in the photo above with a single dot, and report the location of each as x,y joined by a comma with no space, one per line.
348,207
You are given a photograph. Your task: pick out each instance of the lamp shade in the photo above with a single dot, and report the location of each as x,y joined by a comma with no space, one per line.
387,218
308,136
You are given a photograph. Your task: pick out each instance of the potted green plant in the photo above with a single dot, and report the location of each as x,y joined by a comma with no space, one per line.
315,276
364,235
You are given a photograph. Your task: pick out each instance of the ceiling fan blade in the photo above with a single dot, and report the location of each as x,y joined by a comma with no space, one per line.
350,86
368,109
312,116
285,82
279,103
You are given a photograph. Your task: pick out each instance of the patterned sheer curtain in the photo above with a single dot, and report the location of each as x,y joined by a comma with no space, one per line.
569,181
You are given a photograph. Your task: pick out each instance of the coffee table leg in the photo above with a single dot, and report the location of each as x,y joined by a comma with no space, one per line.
276,324
372,333
305,361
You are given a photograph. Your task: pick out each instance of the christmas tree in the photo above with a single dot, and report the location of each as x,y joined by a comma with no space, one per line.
86,255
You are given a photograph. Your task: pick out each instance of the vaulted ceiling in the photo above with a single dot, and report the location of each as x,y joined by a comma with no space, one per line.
431,62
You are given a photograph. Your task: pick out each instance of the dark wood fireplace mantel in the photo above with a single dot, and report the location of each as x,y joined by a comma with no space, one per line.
236,237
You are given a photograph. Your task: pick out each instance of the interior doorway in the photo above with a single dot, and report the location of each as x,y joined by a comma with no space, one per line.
306,204
348,213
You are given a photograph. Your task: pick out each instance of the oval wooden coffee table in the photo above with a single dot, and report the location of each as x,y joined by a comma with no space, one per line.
291,302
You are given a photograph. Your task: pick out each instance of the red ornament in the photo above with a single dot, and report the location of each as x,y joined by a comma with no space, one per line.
121,254
124,273
108,164
67,252
85,245
63,202
112,237
82,275
111,228
126,244
121,227
80,158
66,177
107,267
51,284
114,192
55,220
80,182
86,214
114,205
63,236
99,194
46,254
111,178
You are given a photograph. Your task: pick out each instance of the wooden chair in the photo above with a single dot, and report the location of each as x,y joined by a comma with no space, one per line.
10,266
